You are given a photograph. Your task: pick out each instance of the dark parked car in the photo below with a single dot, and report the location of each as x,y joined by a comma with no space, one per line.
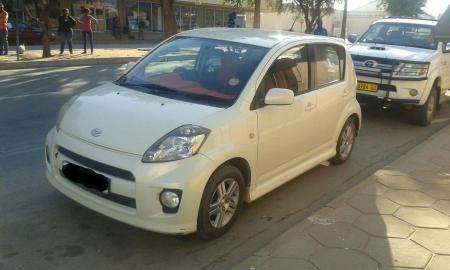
28,33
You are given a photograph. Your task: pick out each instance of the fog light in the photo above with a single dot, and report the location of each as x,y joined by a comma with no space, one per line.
170,200
413,92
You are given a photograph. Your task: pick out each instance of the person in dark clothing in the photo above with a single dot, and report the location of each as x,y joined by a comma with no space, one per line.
65,30
116,28
232,20
320,30
141,29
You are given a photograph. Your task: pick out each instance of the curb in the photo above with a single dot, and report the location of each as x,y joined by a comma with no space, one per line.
67,63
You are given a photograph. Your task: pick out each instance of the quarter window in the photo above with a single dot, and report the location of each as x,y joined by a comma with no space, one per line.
289,71
327,64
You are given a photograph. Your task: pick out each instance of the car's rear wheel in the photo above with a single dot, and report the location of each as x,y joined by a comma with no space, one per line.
345,142
221,202
423,115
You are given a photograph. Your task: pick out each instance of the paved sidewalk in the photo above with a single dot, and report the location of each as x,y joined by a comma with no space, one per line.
398,218
105,55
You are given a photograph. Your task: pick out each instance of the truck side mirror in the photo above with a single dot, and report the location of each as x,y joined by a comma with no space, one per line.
352,38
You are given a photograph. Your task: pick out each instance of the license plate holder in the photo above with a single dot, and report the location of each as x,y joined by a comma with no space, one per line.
87,178
369,87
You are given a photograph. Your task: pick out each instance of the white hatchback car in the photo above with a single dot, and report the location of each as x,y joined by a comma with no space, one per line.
208,119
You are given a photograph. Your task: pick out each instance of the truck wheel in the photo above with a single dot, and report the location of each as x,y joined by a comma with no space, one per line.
345,142
221,202
424,114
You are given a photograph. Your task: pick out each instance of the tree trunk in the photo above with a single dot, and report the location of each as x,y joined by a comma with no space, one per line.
44,21
168,18
257,14
309,26
344,21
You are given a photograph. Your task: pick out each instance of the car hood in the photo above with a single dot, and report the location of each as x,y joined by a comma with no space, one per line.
129,121
392,52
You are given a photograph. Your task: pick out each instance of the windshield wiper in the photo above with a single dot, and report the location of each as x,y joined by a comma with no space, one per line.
152,88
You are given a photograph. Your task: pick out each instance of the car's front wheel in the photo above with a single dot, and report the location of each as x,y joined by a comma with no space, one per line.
221,202
423,115
345,142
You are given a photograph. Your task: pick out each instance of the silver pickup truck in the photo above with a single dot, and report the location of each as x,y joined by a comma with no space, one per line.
398,61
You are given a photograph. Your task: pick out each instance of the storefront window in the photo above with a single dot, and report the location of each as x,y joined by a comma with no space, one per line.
219,18
156,18
186,18
146,12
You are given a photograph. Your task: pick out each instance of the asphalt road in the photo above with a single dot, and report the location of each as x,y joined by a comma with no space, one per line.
42,229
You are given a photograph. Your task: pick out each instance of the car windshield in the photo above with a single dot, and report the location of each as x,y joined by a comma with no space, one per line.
199,70
401,34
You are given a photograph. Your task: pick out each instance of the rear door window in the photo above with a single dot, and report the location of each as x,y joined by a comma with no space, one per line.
327,64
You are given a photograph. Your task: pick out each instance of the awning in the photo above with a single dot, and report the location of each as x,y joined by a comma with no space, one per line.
442,31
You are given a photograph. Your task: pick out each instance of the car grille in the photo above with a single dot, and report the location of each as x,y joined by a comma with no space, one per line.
91,181
364,66
101,167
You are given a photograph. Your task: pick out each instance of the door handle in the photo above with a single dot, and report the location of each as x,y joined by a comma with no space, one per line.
310,106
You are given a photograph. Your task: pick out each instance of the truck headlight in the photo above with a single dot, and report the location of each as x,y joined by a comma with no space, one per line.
180,143
411,70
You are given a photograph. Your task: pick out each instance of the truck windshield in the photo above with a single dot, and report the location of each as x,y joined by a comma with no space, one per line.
401,34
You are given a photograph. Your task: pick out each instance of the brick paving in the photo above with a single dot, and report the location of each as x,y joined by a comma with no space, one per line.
398,218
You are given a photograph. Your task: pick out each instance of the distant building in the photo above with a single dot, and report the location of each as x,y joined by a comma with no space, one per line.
359,19
189,14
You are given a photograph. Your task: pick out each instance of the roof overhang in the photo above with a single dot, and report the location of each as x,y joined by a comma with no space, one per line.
442,31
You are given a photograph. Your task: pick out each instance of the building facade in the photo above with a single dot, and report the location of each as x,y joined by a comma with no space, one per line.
131,13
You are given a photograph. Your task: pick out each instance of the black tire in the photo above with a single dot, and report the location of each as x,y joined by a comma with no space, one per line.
349,129
205,228
423,115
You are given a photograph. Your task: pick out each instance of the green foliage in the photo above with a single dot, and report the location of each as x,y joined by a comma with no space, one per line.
404,8
239,3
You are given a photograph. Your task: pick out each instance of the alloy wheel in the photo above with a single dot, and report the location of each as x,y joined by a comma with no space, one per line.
224,203
347,140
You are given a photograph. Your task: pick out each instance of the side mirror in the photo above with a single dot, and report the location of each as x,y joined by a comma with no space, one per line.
352,38
279,96
129,66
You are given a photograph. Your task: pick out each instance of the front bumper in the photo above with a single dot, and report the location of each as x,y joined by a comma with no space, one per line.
393,90
189,175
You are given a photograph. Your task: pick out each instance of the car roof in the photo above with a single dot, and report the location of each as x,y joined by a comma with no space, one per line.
258,37
410,21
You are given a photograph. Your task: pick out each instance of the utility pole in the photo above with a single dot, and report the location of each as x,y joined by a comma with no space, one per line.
344,20
18,5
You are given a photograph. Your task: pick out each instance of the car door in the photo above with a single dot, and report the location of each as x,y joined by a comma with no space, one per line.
328,81
445,64
286,132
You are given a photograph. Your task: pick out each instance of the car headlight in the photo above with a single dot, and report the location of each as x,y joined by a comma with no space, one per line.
180,143
411,70
63,111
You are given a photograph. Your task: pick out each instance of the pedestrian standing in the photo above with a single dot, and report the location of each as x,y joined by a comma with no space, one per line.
141,26
3,30
86,21
320,30
116,29
232,20
65,30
